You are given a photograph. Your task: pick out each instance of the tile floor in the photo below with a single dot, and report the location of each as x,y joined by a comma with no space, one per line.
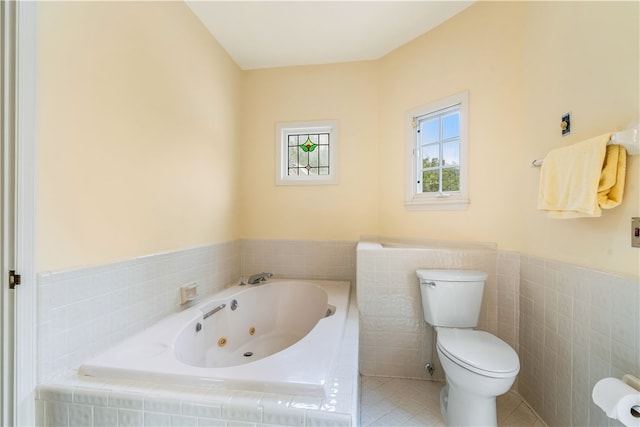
394,402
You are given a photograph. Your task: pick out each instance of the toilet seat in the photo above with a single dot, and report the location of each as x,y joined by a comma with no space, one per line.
479,352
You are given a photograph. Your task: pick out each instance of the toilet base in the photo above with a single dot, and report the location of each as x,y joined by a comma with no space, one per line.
444,397
460,408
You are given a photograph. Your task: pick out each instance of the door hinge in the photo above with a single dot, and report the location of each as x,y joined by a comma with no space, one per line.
14,279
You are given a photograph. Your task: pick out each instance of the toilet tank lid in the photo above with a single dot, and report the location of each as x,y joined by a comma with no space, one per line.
444,275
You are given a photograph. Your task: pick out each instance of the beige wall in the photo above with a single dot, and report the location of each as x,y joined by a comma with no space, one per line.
477,51
134,173
138,109
346,92
583,58
525,64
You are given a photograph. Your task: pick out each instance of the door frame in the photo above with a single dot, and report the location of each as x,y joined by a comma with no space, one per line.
19,319
7,111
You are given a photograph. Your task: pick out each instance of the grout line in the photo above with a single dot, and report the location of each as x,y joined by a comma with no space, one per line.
377,404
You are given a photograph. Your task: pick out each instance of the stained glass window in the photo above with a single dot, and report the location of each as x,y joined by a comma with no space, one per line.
307,153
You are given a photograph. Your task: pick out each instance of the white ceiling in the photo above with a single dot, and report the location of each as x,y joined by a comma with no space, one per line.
265,34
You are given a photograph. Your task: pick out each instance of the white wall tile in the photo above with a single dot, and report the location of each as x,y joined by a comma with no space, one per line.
395,338
211,422
202,410
242,412
126,400
56,413
152,419
183,421
105,417
83,311
323,419
55,394
299,259
91,397
155,404
130,418
78,290
591,339
80,415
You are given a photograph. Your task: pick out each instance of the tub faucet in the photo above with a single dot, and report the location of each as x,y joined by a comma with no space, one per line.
260,277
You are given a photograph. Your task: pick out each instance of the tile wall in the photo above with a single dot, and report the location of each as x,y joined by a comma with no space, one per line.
576,326
300,259
508,284
395,340
84,311
570,325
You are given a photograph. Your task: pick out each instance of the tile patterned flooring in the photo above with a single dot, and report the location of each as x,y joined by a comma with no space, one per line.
395,402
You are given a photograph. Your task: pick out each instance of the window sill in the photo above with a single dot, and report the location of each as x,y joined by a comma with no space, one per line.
307,180
436,204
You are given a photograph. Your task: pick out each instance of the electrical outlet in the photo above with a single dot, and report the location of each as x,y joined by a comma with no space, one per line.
635,232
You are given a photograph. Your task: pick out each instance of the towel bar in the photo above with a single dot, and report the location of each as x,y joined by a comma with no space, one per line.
627,138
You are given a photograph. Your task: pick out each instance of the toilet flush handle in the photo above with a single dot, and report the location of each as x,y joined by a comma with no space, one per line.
430,284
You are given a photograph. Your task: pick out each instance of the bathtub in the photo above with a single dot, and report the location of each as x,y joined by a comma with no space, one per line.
282,336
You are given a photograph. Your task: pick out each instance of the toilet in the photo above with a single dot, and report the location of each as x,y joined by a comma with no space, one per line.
478,366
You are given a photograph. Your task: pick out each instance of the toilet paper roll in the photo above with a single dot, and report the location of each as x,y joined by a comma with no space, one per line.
618,401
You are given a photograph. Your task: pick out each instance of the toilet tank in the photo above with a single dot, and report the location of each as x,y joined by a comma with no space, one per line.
451,298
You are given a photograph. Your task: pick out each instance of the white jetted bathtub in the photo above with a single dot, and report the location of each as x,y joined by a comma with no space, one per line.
281,336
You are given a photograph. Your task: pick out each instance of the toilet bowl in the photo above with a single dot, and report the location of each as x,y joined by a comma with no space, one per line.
478,366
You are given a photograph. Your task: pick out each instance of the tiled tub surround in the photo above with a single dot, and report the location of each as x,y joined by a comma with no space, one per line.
395,340
84,311
300,259
576,327
76,401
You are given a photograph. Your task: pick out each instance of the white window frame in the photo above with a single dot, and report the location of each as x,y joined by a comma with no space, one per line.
416,200
284,129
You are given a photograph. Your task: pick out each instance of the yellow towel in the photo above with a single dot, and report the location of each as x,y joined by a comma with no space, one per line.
570,177
611,186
